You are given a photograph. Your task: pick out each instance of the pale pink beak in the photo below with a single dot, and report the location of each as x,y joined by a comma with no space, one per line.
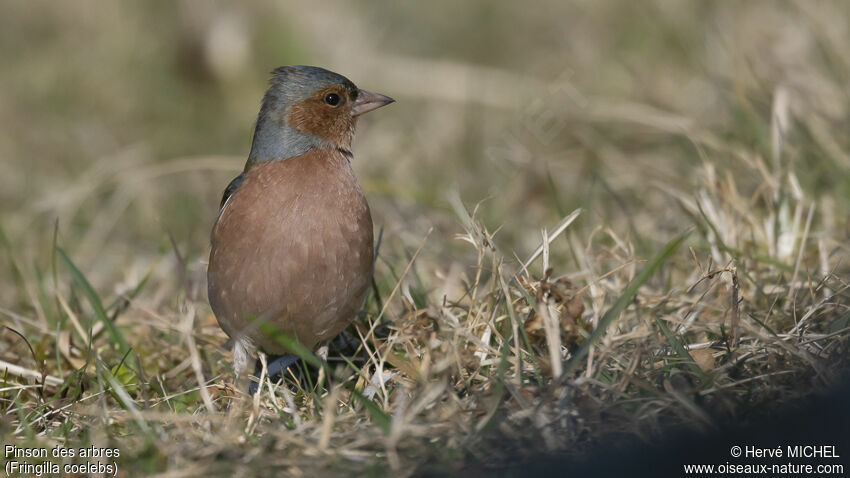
367,101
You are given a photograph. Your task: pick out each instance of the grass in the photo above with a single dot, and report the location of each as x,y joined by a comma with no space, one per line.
649,236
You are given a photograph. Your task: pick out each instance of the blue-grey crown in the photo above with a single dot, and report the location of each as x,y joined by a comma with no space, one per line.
274,139
298,82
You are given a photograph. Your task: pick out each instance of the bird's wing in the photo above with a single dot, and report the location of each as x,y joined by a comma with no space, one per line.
229,190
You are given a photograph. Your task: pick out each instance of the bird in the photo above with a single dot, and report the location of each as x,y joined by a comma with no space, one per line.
292,246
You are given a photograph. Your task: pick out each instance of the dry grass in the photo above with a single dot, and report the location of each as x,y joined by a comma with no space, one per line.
654,236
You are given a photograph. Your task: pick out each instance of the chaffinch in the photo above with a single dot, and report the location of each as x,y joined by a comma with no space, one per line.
292,245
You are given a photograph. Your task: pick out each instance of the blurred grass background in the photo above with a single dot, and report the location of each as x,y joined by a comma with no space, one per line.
123,122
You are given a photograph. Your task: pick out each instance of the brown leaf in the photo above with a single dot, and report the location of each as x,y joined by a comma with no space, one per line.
704,359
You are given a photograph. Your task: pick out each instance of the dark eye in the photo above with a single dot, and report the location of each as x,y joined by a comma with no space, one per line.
332,99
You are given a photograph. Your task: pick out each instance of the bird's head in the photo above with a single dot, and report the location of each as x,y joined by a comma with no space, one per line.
308,107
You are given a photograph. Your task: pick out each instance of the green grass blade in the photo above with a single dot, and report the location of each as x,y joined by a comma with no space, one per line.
680,349
623,301
120,304
838,324
492,403
533,303
80,280
293,345
381,418
764,326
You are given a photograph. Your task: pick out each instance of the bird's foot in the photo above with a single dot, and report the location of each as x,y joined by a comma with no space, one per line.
275,369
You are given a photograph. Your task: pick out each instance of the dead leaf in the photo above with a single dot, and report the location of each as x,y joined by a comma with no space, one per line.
704,359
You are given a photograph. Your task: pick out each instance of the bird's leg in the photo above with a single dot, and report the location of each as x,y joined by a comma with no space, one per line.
322,352
243,352
275,369
279,365
261,374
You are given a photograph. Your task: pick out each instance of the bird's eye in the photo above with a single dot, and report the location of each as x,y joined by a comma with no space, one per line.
332,99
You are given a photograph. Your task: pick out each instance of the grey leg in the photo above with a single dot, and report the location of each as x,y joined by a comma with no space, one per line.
275,368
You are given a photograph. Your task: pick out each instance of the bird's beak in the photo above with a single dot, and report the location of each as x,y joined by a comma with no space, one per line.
367,101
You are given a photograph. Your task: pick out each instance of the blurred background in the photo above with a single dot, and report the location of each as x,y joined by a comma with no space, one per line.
123,121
